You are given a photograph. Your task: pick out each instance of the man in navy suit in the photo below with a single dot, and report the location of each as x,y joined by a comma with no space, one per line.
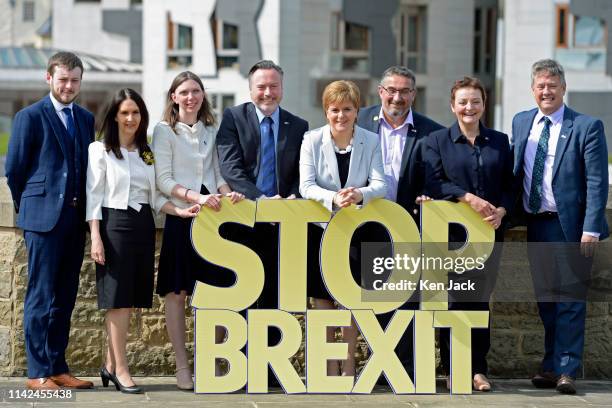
403,134
45,167
561,159
259,150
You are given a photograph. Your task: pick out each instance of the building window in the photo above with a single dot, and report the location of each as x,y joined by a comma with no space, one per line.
562,19
589,32
419,101
412,37
580,41
219,102
350,45
227,44
28,11
485,20
179,44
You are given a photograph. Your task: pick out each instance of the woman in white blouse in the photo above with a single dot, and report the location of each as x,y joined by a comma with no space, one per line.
121,193
187,171
340,165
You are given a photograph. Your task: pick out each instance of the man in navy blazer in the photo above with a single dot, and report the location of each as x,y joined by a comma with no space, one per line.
259,150
402,134
561,160
46,166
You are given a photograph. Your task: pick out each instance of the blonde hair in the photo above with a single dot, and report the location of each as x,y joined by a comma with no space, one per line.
339,92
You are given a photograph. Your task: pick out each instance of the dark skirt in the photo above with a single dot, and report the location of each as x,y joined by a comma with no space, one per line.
180,265
126,278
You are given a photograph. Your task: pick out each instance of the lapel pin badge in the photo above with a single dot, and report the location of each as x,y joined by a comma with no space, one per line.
285,123
563,136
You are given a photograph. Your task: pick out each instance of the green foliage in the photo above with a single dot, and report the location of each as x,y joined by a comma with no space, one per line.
4,138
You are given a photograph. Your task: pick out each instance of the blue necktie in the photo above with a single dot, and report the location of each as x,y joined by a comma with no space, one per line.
267,168
537,174
69,121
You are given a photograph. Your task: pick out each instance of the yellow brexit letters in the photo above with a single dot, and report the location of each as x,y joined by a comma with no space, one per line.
220,306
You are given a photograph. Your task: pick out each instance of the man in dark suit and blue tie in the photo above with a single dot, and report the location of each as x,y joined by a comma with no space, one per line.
561,159
45,167
259,147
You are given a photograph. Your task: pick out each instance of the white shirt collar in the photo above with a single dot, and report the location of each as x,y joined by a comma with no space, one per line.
409,119
555,117
58,105
275,115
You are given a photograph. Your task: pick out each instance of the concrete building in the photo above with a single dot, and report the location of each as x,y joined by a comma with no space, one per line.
316,42
25,23
574,32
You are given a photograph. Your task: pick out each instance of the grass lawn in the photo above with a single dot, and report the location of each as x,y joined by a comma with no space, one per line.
610,159
4,137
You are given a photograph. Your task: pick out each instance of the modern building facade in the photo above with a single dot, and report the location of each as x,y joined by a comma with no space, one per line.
574,32
318,41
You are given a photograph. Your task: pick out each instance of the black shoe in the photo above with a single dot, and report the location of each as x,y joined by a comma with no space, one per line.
566,385
106,376
545,379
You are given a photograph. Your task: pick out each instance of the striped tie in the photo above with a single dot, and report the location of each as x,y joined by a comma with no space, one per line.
267,169
537,175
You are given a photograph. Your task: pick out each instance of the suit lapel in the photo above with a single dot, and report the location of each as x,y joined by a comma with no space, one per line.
375,121
523,136
281,140
151,177
356,156
330,157
411,137
56,125
564,136
255,131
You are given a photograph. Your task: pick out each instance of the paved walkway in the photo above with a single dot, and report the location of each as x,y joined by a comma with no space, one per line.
162,392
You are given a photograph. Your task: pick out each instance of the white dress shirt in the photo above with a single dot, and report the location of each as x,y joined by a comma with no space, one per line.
556,119
548,198
187,158
392,142
59,109
139,183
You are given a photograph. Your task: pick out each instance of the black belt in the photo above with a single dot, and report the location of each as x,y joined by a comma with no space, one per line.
544,215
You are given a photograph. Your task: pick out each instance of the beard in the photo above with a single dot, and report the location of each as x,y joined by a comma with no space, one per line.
397,111
66,99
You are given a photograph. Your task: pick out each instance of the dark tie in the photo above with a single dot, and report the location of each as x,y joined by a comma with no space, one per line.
69,121
267,169
537,174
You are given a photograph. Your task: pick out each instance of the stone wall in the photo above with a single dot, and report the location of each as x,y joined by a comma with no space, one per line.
517,333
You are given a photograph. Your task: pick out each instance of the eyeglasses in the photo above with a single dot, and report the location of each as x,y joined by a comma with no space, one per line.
404,92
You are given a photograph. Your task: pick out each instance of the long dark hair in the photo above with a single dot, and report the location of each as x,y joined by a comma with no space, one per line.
171,111
109,132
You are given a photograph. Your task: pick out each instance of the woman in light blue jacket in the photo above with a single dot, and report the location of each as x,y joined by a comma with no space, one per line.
340,165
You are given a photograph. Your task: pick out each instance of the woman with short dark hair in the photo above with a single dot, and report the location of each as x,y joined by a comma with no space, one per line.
472,164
